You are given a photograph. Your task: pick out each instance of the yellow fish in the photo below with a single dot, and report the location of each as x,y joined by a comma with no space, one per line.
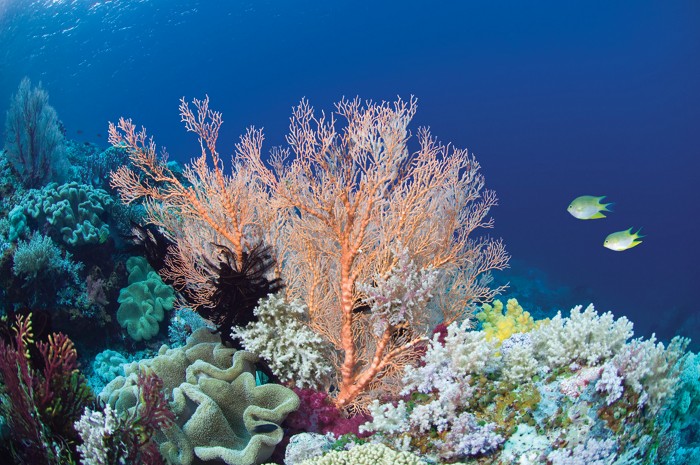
623,240
588,207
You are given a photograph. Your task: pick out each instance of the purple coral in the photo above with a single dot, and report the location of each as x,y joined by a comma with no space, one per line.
318,414
467,438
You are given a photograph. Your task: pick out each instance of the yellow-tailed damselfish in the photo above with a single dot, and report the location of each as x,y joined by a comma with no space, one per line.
623,240
588,207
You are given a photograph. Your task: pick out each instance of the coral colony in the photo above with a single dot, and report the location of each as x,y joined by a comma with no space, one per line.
328,302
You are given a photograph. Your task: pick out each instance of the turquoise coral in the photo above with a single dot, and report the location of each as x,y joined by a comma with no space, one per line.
144,301
75,210
17,220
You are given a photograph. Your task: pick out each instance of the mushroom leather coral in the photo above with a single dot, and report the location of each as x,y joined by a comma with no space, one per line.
221,415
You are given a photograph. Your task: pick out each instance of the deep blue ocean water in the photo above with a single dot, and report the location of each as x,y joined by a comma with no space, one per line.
555,99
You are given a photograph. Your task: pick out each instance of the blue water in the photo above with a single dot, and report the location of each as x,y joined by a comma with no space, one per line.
556,99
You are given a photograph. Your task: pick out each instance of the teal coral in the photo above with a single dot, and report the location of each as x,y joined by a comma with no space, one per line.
216,402
107,365
144,301
75,210
17,223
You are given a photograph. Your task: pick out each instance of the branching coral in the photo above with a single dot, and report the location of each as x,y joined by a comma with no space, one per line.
439,424
649,368
111,438
214,223
474,397
584,337
280,336
334,215
395,299
41,404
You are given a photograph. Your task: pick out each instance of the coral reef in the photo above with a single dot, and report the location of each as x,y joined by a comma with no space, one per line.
340,225
602,400
348,274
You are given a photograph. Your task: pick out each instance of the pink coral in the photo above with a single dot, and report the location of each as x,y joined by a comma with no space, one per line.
575,385
318,414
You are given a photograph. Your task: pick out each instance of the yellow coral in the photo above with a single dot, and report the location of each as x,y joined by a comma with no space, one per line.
499,325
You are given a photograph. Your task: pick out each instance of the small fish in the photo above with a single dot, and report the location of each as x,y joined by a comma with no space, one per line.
588,207
265,428
622,240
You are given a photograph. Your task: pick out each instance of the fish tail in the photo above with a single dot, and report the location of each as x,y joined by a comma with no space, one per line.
606,206
637,235
635,243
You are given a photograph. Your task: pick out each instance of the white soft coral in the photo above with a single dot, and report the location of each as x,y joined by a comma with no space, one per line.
280,336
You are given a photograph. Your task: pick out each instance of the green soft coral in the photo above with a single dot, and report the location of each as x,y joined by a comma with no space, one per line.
75,210
144,301
228,410
221,415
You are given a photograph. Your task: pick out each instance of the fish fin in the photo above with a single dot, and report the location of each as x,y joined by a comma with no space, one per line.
596,216
634,243
606,206
638,236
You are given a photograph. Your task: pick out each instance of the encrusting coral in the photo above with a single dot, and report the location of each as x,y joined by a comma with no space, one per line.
366,454
221,415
